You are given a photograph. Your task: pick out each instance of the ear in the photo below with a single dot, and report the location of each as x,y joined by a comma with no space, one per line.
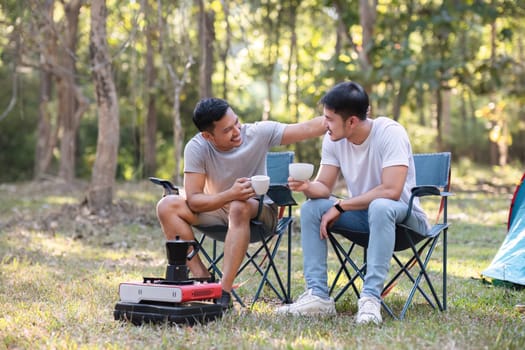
207,135
353,121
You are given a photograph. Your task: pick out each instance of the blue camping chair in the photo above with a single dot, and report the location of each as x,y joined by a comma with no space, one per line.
263,257
432,179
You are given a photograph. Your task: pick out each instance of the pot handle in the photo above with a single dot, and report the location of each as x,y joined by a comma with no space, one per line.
194,251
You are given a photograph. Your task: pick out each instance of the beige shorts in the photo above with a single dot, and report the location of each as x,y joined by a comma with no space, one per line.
210,222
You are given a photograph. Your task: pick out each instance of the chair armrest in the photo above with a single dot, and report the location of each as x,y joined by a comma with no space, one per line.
166,184
420,191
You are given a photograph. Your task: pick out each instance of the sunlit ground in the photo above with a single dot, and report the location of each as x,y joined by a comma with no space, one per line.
60,270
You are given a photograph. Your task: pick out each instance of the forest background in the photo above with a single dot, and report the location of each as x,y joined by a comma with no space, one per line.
104,91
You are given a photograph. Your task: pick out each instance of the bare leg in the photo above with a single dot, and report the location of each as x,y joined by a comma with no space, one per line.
237,239
175,219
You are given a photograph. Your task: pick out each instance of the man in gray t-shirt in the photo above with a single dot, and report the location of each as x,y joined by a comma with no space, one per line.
218,164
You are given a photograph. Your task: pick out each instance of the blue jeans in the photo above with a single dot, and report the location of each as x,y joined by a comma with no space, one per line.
379,221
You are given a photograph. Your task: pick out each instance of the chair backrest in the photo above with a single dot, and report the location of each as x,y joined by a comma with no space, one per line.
433,169
277,166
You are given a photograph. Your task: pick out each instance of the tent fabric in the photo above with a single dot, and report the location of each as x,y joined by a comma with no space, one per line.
509,262
519,197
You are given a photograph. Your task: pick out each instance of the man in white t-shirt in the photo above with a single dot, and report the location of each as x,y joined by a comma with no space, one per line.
375,158
218,164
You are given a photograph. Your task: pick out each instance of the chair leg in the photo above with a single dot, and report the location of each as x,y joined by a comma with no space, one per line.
289,261
341,267
344,258
339,272
422,274
405,269
213,262
269,252
445,269
419,258
250,261
271,265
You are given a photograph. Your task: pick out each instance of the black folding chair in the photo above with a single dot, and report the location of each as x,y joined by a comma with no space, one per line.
432,179
262,258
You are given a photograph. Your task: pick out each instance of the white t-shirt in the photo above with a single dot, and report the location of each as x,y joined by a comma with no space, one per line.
223,168
361,165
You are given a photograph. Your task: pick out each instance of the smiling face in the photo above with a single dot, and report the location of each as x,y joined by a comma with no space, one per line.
335,124
226,133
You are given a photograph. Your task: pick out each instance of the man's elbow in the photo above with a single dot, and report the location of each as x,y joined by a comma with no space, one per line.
393,194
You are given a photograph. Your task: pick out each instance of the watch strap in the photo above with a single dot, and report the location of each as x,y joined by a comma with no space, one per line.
338,207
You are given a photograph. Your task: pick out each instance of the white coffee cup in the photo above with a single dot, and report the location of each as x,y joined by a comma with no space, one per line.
260,184
301,171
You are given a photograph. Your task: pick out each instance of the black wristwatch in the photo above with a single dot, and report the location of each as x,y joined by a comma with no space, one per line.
337,206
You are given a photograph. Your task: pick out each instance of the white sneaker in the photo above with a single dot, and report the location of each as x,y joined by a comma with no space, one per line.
309,304
369,310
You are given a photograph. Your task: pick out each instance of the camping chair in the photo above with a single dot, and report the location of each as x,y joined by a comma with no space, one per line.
432,179
277,168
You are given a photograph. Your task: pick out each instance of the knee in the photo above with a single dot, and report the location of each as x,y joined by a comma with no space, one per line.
239,210
380,207
169,205
313,209
309,207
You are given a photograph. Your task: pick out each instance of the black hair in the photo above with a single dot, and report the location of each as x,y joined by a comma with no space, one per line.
347,99
207,111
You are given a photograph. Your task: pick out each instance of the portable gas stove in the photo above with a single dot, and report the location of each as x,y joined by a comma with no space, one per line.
173,299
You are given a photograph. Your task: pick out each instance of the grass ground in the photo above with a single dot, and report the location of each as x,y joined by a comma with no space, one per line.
60,268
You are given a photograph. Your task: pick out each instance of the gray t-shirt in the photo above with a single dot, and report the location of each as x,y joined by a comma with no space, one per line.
223,168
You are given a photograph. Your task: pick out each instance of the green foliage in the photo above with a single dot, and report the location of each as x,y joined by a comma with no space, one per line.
17,130
418,50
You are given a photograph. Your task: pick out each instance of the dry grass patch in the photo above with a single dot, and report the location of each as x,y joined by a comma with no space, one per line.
60,268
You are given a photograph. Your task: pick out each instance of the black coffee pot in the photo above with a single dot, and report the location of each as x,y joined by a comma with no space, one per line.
177,252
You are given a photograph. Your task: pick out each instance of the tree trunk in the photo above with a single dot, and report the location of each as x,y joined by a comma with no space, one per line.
226,51
494,156
400,97
178,133
272,28
445,120
503,146
58,42
367,19
420,98
66,108
184,56
439,109
100,193
267,103
46,138
150,127
293,46
68,104
498,146
207,37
